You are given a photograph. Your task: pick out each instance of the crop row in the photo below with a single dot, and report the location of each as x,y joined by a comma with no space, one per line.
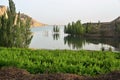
60,61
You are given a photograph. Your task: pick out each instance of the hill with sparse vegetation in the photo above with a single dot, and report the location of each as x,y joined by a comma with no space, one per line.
34,23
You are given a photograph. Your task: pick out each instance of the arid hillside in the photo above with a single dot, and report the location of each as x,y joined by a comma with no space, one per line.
34,23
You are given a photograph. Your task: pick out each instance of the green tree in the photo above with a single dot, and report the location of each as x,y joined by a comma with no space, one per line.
75,29
117,27
56,29
14,32
89,27
80,28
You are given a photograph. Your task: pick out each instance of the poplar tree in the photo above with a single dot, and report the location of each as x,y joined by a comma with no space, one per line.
76,28
14,32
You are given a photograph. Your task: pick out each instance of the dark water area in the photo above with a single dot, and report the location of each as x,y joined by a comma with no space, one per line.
45,38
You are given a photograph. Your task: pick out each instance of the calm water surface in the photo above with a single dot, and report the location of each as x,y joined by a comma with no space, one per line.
45,38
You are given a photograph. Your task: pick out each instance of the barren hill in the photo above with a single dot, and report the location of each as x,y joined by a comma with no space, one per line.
34,23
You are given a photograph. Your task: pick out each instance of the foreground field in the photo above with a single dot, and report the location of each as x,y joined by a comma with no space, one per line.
60,61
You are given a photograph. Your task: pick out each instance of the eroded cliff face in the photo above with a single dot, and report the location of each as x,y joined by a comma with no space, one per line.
34,23
2,10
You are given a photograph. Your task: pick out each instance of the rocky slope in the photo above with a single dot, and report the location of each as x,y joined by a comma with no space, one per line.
105,29
34,23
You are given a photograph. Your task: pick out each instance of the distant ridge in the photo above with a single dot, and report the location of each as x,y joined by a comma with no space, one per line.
117,19
34,23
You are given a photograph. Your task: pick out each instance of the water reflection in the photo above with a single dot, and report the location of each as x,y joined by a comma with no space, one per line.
79,42
45,33
56,36
115,42
74,42
45,38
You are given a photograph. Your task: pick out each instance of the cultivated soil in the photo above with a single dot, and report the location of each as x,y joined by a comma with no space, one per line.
20,74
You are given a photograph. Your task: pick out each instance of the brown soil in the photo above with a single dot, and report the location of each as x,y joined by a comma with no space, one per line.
20,74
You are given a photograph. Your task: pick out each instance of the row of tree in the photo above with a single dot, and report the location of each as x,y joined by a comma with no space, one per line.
14,32
56,29
76,28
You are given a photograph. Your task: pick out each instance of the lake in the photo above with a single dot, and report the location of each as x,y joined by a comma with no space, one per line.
45,38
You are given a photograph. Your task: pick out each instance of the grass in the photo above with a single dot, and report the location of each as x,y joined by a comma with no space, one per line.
60,61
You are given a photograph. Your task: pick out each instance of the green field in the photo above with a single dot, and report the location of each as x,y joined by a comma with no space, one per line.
60,61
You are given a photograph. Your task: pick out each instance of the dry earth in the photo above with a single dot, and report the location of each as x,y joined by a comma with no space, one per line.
20,74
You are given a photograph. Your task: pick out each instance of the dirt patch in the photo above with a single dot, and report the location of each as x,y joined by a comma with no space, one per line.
20,74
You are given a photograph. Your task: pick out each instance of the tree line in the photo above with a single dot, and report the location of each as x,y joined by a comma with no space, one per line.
56,29
14,32
76,28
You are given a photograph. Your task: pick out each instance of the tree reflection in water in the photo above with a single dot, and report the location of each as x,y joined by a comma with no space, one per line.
78,42
75,42
56,36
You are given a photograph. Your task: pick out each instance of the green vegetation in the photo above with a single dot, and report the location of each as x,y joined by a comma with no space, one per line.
117,27
14,32
92,28
106,29
60,61
75,28
56,29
